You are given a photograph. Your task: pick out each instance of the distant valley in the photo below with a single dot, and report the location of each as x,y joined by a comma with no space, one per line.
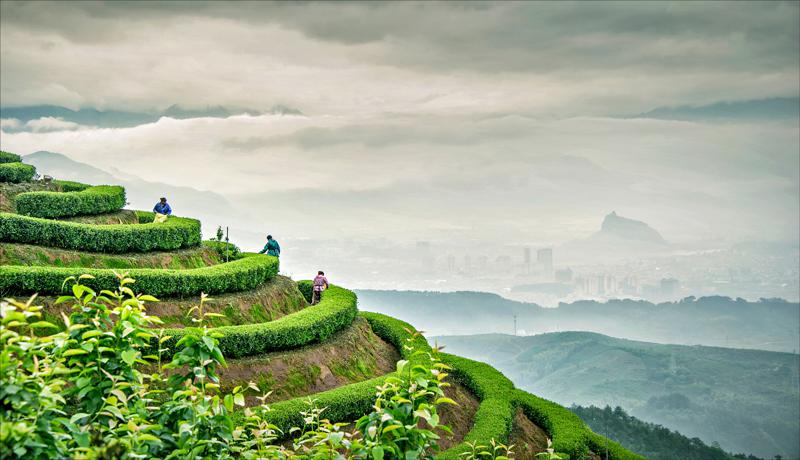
746,400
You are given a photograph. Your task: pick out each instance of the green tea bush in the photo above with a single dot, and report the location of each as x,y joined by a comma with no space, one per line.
224,249
16,172
495,415
175,233
99,199
91,392
70,186
352,401
314,324
239,275
8,157
569,433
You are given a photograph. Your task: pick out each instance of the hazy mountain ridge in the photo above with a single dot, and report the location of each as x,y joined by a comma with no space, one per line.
629,229
747,400
771,108
770,324
210,207
125,119
618,238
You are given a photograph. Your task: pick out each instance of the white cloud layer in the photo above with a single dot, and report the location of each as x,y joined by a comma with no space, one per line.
516,176
494,118
47,124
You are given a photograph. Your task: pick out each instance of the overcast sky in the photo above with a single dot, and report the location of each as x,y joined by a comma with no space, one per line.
505,120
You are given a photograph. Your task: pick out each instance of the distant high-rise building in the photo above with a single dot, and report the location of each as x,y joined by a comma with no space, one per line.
482,263
526,260
670,287
544,257
451,263
564,275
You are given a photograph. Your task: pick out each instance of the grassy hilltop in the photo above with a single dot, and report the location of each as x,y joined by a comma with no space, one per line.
104,359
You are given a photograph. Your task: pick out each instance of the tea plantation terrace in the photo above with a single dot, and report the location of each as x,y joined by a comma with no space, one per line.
267,328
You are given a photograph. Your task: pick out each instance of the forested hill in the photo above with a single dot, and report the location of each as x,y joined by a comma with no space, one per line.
653,441
747,400
768,324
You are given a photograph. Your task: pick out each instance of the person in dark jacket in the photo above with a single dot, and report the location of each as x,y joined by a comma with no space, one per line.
162,207
272,248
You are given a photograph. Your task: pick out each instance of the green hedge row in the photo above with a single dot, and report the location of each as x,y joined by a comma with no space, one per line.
499,401
570,434
493,420
313,324
349,402
99,199
239,275
70,186
16,172
495,416
175,233
8,157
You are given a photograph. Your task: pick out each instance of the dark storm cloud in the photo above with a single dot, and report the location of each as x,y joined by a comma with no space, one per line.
482,36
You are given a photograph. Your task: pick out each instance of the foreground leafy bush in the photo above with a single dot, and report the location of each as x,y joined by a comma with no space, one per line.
175,233
239,275
349,402
99,199
314,324
16,172
8,157
495,415
82,393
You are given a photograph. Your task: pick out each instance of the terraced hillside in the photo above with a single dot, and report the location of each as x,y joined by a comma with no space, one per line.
265,327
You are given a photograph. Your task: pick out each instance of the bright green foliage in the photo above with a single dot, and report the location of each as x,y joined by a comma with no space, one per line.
349,402
70,186
495,415
224,249
8,157
111,409
99,199
314,324
406,398
239,275
16,172
175,233
570,434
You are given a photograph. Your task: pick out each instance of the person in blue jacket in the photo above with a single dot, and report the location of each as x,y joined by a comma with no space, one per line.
162,207
272,248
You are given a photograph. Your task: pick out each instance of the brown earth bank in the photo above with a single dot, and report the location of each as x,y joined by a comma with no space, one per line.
352,355
9,191
527,438
31,255
274,299
459,418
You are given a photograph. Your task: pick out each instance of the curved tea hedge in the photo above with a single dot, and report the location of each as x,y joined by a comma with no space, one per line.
16,172
8,157
175,233
495,415
238,275
348,402
313,324
499,401
98,199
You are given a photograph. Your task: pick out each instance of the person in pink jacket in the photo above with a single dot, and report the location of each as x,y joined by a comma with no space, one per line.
320,284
